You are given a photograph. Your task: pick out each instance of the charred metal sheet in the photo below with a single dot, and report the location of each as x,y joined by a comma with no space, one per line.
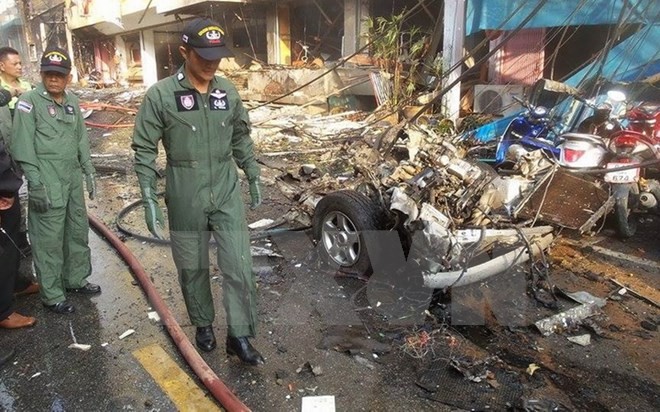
565,199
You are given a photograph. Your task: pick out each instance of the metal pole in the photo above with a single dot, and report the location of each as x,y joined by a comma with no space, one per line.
452,47
69,46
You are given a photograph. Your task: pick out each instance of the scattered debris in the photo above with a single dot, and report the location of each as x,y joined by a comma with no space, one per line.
129,332
262,251
635,293
261,223
352,340
280,375
492,380
34,376
594,324
80,346
308,367
153,315
75,344
582,297
540,405
532,368
582,340
308,169
364,362
648,325
567,320
476,371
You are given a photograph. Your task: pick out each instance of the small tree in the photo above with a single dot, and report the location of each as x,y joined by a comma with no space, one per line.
398,52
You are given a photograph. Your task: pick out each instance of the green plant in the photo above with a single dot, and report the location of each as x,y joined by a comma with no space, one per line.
398,51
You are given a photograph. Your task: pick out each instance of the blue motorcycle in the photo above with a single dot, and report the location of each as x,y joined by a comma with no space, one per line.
533,129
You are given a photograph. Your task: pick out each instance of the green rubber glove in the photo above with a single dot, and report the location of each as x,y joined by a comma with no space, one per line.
255,193
38,198
90,183
153,216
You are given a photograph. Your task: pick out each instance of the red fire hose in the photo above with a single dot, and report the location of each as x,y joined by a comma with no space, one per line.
217,388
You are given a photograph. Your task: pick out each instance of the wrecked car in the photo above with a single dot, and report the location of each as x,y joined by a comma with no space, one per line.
454,217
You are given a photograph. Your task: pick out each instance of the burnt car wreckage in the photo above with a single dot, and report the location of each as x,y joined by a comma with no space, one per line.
446,208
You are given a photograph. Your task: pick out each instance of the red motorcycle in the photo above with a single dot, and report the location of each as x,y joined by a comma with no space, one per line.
635,150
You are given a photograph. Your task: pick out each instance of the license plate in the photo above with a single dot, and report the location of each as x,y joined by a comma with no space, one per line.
621,176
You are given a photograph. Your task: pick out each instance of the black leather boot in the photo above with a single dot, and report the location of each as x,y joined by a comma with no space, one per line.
205,338
242,348
62,307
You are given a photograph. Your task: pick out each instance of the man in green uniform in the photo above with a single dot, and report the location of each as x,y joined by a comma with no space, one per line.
10,182
206,132
50,144
11,70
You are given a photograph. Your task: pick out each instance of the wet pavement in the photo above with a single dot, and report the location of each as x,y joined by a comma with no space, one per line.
322,335
45,374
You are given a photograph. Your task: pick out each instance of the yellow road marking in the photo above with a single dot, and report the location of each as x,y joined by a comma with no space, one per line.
176,384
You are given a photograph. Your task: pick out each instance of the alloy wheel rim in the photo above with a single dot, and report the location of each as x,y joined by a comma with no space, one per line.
340,239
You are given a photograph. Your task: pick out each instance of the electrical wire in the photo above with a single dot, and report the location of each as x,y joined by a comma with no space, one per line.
506,38
545,193
610,44
335,66
458,64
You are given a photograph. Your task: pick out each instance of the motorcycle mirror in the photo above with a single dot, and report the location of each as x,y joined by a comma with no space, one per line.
616,95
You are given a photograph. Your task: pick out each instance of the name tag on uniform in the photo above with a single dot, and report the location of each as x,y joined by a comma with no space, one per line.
68,109
186,101
218,100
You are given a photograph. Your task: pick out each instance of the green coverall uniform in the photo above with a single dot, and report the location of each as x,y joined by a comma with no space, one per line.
51,145
205,136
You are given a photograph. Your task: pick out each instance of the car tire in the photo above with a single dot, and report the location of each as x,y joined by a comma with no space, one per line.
339,223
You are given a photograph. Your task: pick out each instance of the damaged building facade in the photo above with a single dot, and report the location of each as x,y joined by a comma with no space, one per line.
135,43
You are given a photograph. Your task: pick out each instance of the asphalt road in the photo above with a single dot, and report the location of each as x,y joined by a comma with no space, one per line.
320,336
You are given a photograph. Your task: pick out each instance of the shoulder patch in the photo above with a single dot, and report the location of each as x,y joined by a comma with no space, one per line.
24,106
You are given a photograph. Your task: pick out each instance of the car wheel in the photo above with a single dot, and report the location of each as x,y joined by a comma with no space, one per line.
339,222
